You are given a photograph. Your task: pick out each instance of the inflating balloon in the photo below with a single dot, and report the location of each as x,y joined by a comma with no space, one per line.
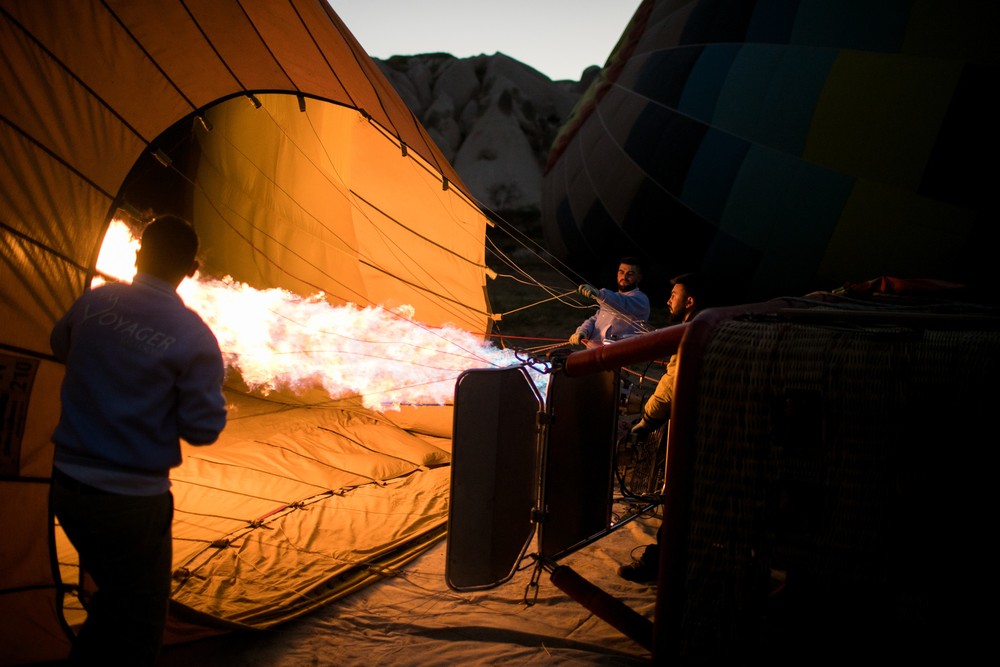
789,146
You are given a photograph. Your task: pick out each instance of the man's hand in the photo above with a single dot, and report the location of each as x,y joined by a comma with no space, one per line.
576,339
588,291
644,426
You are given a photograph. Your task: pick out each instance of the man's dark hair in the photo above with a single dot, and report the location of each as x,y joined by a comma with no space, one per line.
698,286
168,247
631,261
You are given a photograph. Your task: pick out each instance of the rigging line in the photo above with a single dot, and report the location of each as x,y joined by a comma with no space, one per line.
424,164
366,447
471,355
643,376
351,40
198,559
400,224
34,354
439,289
642,325
267,47
551,290
353,193
423,289
512,264
427,329
321,171
621,315
546,348
558,297
513,232
329,65
149,58
285,543
505,259
544,288
537,250
72,74
512,337
263,255
283,505
231,491
57,158
313,459
431,158
42,246
250,243
530,283
461,314
263,174
324,491
497,217
211,45
509,261
523,241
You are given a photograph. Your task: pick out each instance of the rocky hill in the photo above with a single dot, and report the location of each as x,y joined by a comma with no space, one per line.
493,117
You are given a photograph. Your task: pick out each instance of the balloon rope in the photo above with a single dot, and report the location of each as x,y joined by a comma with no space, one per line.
546,348
538,303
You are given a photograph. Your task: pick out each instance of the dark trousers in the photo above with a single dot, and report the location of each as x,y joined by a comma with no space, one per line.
125,545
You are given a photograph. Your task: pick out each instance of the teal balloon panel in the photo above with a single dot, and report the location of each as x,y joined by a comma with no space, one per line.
786,146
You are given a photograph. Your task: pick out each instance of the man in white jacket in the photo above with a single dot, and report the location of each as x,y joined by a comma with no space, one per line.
621,314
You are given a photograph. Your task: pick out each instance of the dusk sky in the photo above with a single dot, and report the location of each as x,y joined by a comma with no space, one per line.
559,38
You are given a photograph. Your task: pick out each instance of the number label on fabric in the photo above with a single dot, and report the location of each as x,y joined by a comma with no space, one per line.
17,375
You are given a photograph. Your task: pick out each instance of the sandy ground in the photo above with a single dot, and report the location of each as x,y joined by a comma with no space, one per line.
415,619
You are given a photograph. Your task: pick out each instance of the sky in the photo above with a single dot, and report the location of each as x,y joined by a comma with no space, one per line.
559,38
